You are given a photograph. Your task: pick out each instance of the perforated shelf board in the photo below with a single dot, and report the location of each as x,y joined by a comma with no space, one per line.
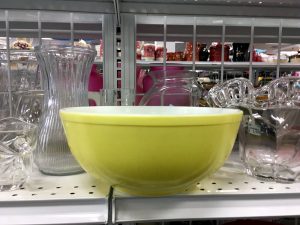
229,193
74,199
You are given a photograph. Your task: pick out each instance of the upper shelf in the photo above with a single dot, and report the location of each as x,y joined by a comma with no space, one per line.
253,8
92,6
217,64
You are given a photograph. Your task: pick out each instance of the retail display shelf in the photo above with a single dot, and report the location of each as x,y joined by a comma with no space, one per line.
80,199
229,193
215,64
178,63
257,8
74,199
290,65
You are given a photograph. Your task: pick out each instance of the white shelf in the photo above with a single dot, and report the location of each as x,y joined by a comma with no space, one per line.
80,199
227,194
75,199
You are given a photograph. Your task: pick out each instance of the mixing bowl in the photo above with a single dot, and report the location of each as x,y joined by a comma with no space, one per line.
150,150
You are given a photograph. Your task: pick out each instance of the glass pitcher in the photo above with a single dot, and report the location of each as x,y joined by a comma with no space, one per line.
173,88
269,135
66,70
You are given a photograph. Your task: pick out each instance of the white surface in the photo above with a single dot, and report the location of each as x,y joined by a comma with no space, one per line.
45,199
155,111
227,194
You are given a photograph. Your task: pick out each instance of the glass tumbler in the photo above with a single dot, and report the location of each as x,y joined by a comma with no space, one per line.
269,135
66,70
173,88
18,141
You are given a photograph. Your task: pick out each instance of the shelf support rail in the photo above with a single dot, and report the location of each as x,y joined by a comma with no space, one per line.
251,77
117,12
279,49
194,42
8,61
223,49
109,73
165,43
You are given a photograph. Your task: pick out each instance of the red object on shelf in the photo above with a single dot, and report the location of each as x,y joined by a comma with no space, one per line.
95,83
149,52
140,75
96,80
256,57
138,55
188,52
101,49
159,53
138,50
170,56
92,102
216,52
179,56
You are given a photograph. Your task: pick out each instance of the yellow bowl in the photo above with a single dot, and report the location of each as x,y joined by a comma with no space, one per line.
150,150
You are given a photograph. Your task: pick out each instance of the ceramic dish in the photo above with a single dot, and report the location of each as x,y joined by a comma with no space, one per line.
150,150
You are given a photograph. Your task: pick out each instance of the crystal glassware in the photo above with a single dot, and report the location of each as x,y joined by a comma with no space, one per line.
24,70
29,107
24,78
18,141
175,88
66,70
269,135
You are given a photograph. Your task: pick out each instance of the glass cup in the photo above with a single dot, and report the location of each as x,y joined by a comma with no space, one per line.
18,141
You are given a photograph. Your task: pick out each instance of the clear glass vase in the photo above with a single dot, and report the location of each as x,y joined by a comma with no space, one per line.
173,88
269,135
66,71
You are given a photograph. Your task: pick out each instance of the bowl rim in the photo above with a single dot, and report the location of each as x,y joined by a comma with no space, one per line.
91,115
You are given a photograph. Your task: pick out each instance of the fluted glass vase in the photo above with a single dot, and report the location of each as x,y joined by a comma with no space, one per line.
65,69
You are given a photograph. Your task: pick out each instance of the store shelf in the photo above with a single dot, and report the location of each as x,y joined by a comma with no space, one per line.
75,199
214,64
227,194
179,63
257,8
289,65
264,65
99,6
